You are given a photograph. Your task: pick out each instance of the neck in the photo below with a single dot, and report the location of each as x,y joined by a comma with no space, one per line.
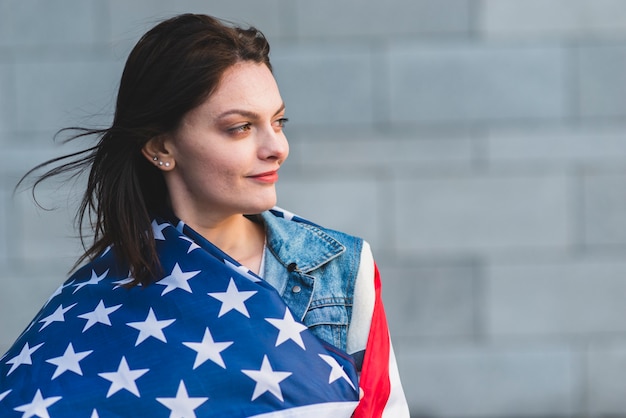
237,236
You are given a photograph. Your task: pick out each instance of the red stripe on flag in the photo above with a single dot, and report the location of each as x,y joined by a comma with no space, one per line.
375,373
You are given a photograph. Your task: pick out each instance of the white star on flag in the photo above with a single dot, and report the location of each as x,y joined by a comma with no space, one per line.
336,370
177,280
23,357
129,279
233,299
38,407
94,414
120,283
182,406
267,380
151,327
56,316
243,270
157,230
286,214
56,293
68,361
95,279
208,350
99,315
288,329
123,378
106,250
4,394
192,245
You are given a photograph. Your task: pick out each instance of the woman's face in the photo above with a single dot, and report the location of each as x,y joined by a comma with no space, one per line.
225,155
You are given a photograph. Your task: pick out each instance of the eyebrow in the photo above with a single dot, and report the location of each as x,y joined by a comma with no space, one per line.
247,113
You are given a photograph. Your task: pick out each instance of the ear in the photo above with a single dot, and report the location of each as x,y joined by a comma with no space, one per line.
157,151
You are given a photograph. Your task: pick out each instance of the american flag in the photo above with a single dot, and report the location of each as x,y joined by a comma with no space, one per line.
209,339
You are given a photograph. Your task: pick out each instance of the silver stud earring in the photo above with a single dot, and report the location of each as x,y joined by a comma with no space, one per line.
160,163
167,164
155,158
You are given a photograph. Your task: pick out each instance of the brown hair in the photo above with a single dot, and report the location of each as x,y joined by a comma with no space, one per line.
172,69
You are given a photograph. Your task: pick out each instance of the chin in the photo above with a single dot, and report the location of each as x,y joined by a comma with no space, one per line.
259,207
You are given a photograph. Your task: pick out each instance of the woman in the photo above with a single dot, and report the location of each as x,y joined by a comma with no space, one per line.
198,296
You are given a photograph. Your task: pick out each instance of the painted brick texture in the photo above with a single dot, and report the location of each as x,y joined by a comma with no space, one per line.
479,146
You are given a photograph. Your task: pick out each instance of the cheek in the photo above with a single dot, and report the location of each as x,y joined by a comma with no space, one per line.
202,159
226,165
218,173
215,163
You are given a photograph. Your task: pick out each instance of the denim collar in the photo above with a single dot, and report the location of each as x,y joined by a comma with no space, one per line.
299,245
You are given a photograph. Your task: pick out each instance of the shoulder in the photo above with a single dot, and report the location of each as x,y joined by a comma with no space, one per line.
282,221
289,234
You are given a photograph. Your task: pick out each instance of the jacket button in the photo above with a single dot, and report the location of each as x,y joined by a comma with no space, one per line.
296,289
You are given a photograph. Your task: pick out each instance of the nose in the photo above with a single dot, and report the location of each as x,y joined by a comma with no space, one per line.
274,145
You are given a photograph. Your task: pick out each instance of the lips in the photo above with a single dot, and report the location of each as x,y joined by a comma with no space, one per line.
267,177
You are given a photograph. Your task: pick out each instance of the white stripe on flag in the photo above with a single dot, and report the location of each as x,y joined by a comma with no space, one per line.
325,410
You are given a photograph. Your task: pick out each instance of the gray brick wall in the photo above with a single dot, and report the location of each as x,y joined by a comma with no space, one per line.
479,146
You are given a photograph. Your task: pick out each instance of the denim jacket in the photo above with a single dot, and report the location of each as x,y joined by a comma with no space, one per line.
314,269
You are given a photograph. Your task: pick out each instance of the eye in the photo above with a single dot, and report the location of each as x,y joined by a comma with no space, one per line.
281,122
240,129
